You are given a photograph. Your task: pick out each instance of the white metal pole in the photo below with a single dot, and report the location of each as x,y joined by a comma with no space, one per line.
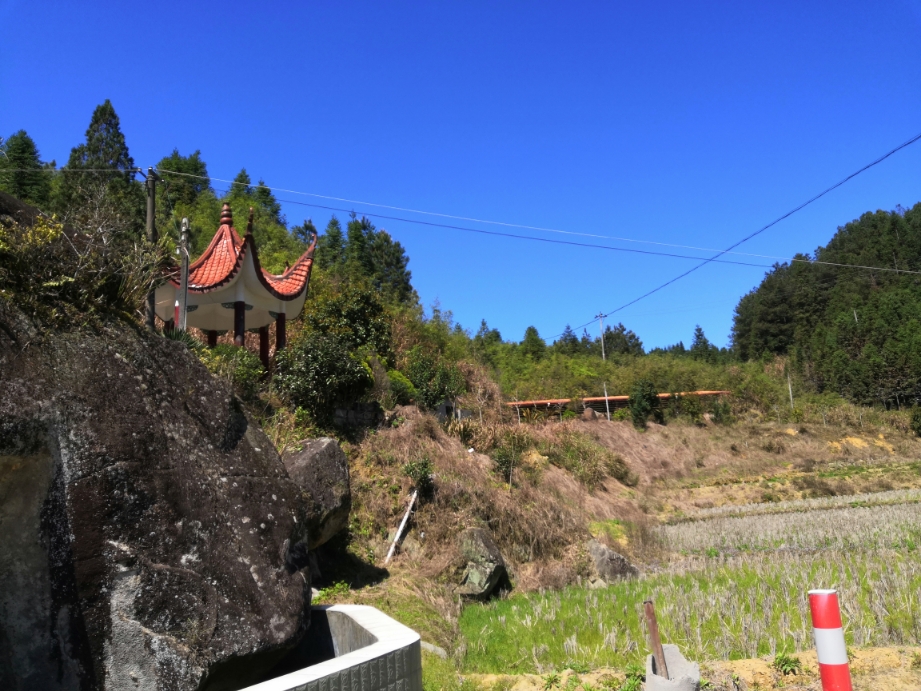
184,276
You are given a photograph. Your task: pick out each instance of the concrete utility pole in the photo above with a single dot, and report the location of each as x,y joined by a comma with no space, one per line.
184,277
607,406
152,238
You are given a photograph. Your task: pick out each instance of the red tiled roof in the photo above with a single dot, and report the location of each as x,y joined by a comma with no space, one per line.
222,259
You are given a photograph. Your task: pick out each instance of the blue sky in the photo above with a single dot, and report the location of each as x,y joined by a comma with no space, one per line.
686,123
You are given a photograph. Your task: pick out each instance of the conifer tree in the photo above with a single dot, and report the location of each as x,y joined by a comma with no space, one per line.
305,232
242,185
183,189
533,345
358,262
21,170
98,188
568,343
389,262
263,196
330,253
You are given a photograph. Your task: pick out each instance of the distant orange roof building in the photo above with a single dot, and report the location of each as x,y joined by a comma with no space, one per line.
229,289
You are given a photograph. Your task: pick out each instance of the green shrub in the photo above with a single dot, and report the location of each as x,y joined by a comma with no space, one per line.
721,412
317,373
94,267
420,472
644,401
434,379
401,389
508,450
691,407
187,339
236,364
621,414
355,316
916,420
587,460
787,664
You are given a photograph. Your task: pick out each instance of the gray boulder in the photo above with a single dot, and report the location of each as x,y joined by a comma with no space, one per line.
321,469
609,566
485,569
152,538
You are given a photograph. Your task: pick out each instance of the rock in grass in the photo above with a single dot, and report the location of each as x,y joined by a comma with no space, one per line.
321,469
609,566
485,566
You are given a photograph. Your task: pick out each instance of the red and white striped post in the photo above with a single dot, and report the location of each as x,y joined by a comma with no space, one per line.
829,640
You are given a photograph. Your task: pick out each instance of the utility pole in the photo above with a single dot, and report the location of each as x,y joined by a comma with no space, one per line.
152,238
184,276
607,406
790,388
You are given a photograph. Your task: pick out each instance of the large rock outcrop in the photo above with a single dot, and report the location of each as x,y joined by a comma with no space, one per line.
321,469
485,571
609,566
150,531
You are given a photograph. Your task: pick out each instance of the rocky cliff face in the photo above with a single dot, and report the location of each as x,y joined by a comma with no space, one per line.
149,530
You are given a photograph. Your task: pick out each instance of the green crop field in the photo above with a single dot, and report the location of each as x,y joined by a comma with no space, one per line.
747,598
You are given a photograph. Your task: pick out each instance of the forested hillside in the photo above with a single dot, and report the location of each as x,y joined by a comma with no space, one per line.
855,332
844,331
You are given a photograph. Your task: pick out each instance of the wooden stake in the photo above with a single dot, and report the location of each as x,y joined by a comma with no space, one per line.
396,539
654,641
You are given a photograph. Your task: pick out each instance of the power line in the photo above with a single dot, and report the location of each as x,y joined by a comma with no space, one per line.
605,247
532,238
592,246
476,220
763,228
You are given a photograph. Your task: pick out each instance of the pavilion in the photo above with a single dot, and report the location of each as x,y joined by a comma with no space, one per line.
230,291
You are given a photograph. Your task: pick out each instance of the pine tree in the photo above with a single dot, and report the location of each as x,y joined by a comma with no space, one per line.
389,262
305,232
621,340
21,170
701,349
263,196
533,345
568,343
242,185
98,188
358,262
330,253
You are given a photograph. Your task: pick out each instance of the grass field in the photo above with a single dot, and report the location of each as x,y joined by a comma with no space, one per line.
746,599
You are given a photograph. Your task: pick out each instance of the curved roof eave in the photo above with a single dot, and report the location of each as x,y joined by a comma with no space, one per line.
220,270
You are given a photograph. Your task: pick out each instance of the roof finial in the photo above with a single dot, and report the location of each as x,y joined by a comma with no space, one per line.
226,215
249,224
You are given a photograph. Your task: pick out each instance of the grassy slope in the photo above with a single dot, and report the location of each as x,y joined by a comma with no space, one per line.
685,472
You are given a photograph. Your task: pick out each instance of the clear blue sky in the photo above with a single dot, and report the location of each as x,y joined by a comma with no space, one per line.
689,123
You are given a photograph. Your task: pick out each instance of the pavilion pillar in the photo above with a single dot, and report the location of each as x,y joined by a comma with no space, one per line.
281,337
212,339
264,346
239,322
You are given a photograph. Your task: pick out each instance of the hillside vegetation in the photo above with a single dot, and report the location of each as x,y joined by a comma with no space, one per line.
731,508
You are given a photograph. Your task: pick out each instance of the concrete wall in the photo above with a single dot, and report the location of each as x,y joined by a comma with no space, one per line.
373,653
